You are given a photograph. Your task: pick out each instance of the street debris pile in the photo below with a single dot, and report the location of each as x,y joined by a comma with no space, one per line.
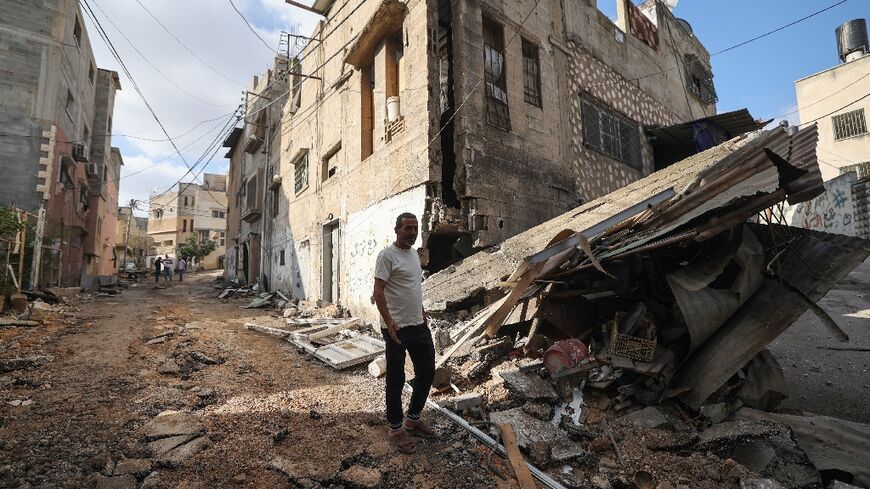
627,348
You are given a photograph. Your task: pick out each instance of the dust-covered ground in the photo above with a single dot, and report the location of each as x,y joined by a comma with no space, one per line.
254,412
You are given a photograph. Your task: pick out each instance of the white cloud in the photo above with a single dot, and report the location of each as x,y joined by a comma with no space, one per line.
216,33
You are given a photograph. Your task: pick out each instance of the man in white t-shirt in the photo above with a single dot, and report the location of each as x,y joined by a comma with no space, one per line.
399,296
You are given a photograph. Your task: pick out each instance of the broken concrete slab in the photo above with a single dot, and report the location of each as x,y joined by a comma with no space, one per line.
305,469
467,401
358,475
529,384
716,412
133,466
534,435
832,444
648,417
165,445
171,423
181,453
768,448
203,358
841,485
566,451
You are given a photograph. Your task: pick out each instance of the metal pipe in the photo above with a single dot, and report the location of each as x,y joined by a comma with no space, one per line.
489,442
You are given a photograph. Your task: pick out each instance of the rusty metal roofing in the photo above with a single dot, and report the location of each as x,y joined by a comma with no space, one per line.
736,123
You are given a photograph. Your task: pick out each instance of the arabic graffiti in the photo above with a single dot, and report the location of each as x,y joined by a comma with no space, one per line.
831,211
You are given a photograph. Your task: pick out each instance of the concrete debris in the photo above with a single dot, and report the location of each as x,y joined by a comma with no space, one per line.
305,469
5,321
648,417
100,481
716,412
133,466
169,367
171,423
529,384
466,402
23,363
841,485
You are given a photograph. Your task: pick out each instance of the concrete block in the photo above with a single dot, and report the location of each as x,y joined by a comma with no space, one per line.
648,417
466,401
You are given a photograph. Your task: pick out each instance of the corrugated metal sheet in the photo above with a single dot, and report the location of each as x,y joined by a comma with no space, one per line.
736,123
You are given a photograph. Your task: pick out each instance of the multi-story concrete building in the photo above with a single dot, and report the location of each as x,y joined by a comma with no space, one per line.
191,209
54,109
254,152
132,242
837,100
484,118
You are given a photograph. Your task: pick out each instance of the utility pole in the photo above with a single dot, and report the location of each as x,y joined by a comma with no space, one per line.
37,248
21,247
133,205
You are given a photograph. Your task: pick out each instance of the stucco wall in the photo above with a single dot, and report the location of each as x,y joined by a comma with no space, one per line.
831,212
821,94
368,231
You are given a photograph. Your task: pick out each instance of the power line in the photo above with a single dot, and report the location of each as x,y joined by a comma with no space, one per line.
252,27
138,90
185,46
729,48
835,110
167,78
821,99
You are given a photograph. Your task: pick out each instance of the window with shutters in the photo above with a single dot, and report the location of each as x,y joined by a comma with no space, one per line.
531,74
610,132
497,112
300,171
251,193
849,125
700,79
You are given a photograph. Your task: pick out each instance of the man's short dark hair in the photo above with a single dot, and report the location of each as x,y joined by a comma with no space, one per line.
404,215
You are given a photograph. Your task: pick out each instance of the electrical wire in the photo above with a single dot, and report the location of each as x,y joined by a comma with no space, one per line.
252,28
152,65
136,87
187,48
834,111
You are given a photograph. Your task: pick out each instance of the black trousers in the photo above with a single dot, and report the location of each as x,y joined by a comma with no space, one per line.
417,341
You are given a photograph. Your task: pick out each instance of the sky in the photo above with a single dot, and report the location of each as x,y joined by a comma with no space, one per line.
193,95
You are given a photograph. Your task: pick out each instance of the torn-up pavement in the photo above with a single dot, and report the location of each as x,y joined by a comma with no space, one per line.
620,330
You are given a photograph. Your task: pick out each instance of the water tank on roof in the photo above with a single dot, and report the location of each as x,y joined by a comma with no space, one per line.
686,25
852,40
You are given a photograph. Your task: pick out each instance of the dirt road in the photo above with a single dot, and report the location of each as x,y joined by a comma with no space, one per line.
260,413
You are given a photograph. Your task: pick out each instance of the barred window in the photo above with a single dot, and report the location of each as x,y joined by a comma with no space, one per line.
497,112
531,74
699,79
611,133
849,125
301,173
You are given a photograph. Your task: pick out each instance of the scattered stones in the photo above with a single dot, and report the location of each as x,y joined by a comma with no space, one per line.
841,485
171,423
306,469
361,476
133,466
169,367
533,434
203,358
165,445
716,412
280,434
648,417
183,452
566,451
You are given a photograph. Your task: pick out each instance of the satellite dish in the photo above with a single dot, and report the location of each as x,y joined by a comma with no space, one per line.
672,4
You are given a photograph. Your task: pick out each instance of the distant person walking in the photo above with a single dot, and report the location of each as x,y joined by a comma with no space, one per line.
158,263
167,268
181,267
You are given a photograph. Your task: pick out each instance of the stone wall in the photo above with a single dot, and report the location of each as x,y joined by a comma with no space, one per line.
832,212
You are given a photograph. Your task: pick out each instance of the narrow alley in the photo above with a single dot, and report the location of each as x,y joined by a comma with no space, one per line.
261,412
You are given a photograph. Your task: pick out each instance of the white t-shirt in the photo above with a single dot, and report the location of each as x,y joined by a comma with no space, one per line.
401,270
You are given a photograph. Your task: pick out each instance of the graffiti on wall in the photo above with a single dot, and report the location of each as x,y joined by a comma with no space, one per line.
831,212
367,232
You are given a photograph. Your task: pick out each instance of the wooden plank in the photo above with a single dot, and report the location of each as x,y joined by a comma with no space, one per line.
313,321
474,327
493,324
521,469
348,324
268,329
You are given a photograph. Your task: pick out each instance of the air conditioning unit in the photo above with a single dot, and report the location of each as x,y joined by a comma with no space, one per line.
80,152
92,169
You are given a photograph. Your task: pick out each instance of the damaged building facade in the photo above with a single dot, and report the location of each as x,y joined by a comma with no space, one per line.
55,154
482,118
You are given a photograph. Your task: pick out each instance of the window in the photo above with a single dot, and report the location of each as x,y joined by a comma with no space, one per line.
86,136
331,162
70,104
862,169
203,234
83,196
849,125
65,177
185,202
496,80
611,133
158,213
367,104
109,127
531,74
281,257
168,242
77,31
222,238
184,225
251,193
91,73
700,80
276,203
218,214
301,173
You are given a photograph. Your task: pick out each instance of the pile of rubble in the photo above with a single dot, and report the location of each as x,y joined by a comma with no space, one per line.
647,328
